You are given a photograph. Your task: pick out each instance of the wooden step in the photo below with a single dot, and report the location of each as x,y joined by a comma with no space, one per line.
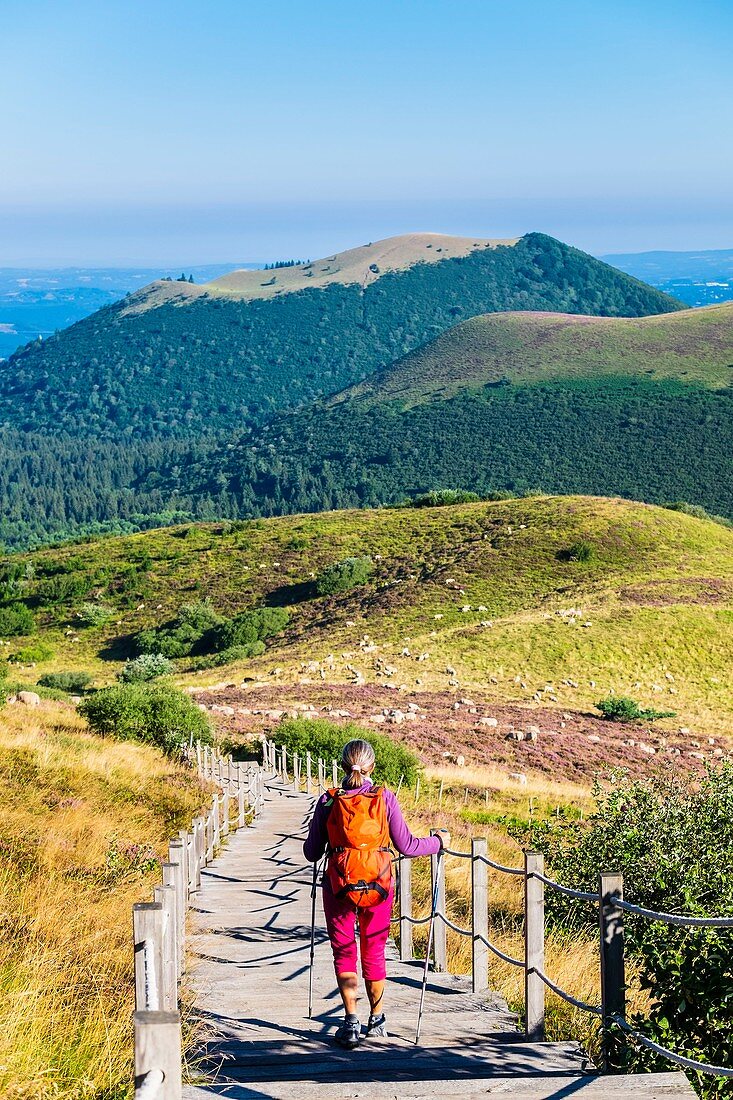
648,1086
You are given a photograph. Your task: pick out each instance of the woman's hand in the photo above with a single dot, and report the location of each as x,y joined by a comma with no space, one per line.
444,837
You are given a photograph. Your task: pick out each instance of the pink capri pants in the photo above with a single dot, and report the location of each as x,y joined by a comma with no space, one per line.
341,919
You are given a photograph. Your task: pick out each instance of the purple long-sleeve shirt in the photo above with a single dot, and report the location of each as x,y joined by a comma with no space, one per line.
399,832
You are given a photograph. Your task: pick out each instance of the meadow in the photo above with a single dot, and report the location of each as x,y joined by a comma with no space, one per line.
83,826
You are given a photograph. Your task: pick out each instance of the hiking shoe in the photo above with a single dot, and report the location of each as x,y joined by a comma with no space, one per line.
349,1034
377,1026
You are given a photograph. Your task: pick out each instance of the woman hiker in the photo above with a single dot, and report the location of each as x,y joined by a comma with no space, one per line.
356,824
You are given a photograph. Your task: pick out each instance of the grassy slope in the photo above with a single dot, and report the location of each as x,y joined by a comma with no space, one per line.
695,346
658,596
70,801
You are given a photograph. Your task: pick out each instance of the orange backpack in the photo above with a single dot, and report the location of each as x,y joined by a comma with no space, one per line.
359,857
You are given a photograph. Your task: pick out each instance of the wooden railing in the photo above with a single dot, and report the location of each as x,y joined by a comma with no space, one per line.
314,776
159,927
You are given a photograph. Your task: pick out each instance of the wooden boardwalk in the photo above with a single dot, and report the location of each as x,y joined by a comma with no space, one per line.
250,946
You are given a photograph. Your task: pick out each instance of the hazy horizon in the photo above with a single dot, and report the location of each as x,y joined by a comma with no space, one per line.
149,135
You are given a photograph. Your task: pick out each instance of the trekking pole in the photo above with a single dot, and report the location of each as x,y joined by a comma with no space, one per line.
433,907
313,937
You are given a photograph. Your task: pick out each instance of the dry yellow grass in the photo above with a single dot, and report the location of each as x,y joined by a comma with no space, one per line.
83,820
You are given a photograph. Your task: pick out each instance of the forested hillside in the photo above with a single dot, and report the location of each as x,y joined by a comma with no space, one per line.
121,421
209,362
640,408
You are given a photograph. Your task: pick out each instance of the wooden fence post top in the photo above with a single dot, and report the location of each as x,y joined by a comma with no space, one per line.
142,906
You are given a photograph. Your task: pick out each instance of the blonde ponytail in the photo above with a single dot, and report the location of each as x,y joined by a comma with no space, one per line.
357,760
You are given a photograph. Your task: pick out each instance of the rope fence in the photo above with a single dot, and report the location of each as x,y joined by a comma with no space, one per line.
315,778
159,927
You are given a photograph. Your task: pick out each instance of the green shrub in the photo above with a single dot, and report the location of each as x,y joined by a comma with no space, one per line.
323,738
250,627
148,666
343,576
93,614
619,708
227,656
32,654
16,619
698,512
672,838
158,714
440,497
579,551
192,630
73,682
64,587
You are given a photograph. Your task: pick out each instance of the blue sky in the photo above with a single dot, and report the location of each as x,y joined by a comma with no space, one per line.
250,130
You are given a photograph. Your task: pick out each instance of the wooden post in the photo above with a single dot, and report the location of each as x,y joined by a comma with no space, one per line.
257,793
440,952
321,775
225,813
166,896
284,764
308,777
534,946
613,980
479,915
241,799
158,1051
147,936
208,839
216,823
199,761
296,772
174,874
198,848
335,773
405,890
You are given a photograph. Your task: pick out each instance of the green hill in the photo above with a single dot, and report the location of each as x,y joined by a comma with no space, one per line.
641,408
178,368
694,346
646,611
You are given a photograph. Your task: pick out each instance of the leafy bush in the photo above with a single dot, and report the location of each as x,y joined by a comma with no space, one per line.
698,511
148,666
619,708
323,738
194,623
32,654
672,838
439,497
227,656
16,619
93,614
343,576
579,551
73,682
250,627
158,714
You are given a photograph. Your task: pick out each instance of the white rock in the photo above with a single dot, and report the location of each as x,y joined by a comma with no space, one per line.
519,777
460,761
29,698
491,722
